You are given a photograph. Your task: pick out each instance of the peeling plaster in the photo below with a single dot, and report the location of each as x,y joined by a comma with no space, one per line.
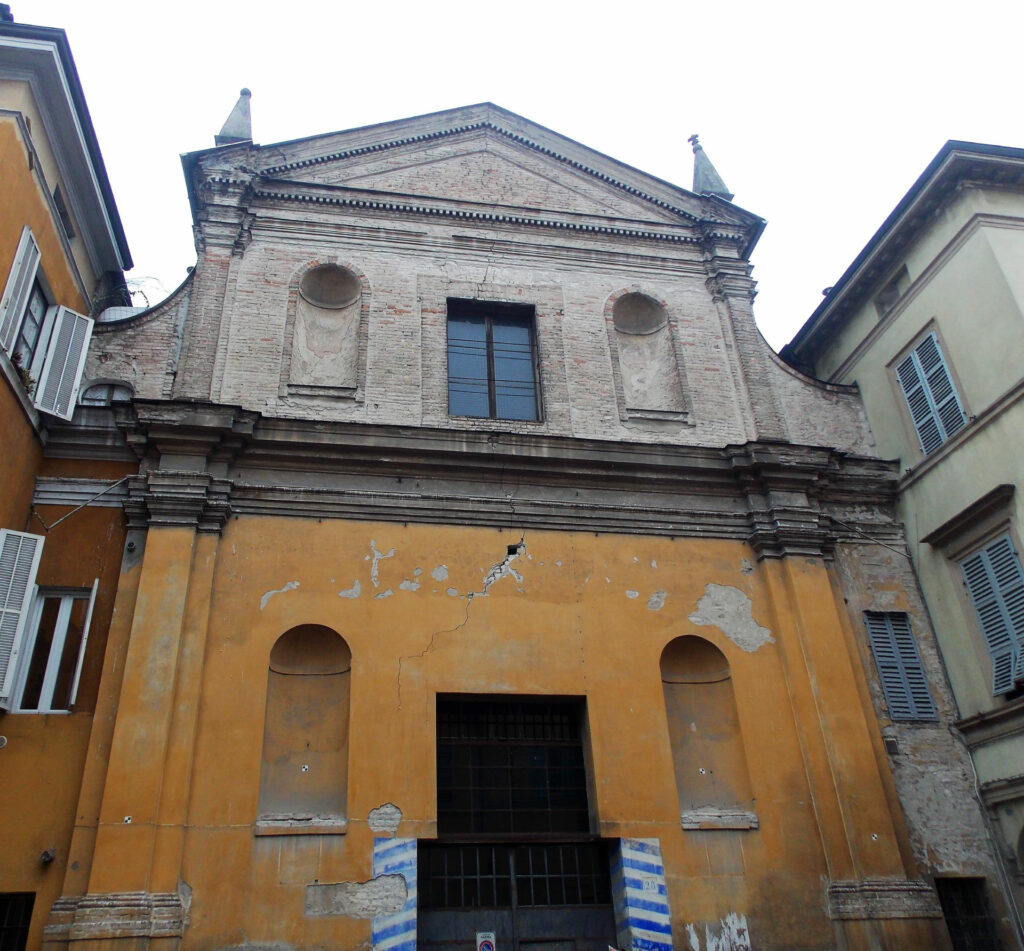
440,573
290,586
384,818
452,592
746,568
732,612
730,934
654,564
378,557
410,586
383,594
417,572
656,601
632,594
502,569
352,592
383,895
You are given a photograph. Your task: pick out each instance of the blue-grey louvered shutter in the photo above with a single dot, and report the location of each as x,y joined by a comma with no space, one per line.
19,559
65,359
18,288
899,666
933,401
995,583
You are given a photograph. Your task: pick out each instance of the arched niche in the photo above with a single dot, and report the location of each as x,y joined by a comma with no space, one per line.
704,730
325,346
304,775
647,365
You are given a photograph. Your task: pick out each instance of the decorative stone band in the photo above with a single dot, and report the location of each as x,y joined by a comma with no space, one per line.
719,817
640,896
396,932
882,898
117,915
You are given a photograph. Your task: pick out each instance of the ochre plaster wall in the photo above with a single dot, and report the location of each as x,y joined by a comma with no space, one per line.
550,613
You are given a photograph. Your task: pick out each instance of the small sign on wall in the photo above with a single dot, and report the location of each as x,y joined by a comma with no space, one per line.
485,941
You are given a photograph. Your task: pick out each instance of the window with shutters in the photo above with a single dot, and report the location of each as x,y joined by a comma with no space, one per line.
492,370
899,666
46,343
995,584
927,384
43,631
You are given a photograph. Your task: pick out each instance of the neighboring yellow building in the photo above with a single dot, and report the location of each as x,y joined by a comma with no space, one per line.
928,322
478,569
62,254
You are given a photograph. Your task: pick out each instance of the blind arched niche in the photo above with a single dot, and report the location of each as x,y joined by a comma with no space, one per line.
648,369
325,335
304,776
707,746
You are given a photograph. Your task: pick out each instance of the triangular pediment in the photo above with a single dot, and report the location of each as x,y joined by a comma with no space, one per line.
485,155
484,166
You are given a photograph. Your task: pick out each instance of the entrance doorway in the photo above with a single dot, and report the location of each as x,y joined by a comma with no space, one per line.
515,854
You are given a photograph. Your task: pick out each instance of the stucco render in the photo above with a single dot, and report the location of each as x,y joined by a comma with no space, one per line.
741,508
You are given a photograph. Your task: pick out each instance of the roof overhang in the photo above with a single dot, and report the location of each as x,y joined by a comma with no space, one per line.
41,56
956,164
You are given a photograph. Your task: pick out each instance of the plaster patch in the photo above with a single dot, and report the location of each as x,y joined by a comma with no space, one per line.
632,594
290,586
440,573
654,564
746,568
410,586
383,895
378,557
656,601
384,818
417,572
352,592
452,592
730,934
383,594
558,563
732,612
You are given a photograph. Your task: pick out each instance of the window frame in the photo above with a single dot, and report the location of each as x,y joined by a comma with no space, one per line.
908,695
57,363
20,555
924,390
521,314
1006,678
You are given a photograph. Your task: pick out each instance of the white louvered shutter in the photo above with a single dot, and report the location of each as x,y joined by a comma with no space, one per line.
899,666
18,289
81,649
65,359
933,401
995,583
19,560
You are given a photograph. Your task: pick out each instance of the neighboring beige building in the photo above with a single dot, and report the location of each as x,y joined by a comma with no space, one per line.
929,322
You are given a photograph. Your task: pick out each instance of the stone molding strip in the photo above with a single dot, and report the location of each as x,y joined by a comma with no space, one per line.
117,915
882,898
718,817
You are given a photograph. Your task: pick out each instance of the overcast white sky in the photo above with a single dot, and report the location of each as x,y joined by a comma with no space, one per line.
819,116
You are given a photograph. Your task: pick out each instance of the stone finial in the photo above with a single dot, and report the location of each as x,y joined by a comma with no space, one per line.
238,127
706,180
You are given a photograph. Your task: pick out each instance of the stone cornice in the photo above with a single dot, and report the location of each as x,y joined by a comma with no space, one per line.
415,205
204,462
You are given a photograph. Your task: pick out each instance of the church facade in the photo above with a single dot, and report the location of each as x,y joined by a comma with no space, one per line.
483,571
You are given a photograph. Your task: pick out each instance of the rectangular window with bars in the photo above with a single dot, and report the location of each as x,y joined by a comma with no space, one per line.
931,396
995,584
15,917
899,666
492,364
968,916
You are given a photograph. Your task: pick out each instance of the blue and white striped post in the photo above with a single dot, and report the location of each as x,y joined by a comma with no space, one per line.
396,932
639,896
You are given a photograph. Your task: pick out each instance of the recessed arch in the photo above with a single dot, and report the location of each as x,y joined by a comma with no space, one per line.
304,771
704,731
